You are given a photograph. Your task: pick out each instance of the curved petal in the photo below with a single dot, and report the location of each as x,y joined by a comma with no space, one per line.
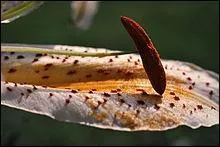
109,92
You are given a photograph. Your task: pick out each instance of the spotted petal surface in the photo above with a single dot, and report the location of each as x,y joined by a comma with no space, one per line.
108,92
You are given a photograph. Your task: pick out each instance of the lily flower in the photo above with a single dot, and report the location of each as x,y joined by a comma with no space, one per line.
111,92
12,10
83,12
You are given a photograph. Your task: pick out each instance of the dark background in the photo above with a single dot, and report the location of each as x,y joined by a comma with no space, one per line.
186,31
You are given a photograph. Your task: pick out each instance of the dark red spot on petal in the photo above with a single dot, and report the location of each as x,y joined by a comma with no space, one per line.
100,70
207,83
76,62
116,56
99,103
22,94
106,73
137,112
191,112
46,69
48,65
29,90
114,91
135,63
6,57
106,94
172,105
129,60
104,101
15,84
45,77
183,73
140,102
20,57
190,87
139,89
129,105
87,98
122,100
193,83
184,106
34,88
38,55
89,75
118,94
50,94
9,89
166,67
110,60
118,90
12,53
12,70
93,89
91,92
67,101
119,71
144,93
213,108
156,107
35,60
172,93
199,107
64,60
71,72
73,91
70,96
176,98
211,93
189,79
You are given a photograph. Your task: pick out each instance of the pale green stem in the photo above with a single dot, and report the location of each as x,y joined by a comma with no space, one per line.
59,52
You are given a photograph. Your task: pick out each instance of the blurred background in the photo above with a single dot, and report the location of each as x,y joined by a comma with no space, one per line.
181,30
